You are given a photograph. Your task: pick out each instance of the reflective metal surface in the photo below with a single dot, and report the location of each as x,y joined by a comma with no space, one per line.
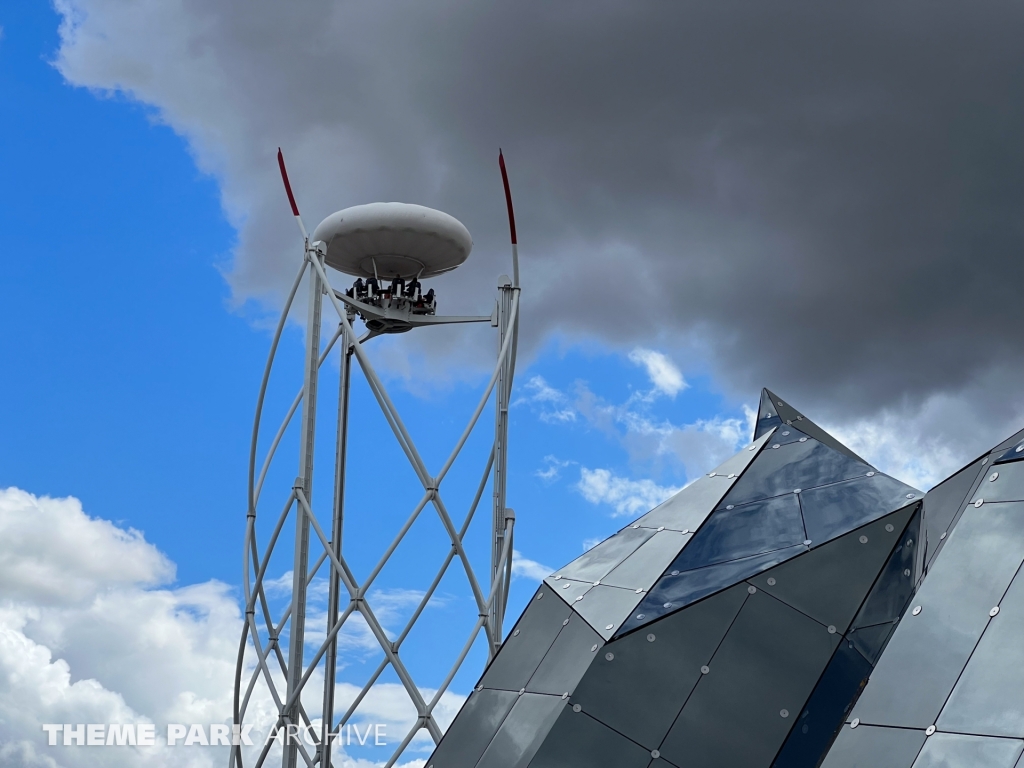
770,660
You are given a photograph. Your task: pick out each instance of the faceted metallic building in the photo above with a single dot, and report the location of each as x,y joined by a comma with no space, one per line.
949,689
734,625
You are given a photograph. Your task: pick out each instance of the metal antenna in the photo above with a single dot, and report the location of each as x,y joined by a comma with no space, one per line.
261,638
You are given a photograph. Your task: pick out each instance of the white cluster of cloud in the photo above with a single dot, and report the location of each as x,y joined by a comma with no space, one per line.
89,635
529,569
663,373
628,497
91,632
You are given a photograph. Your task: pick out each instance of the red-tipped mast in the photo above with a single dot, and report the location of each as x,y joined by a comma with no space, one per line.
511,219
288,189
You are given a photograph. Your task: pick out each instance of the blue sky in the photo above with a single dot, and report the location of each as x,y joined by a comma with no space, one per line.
673,263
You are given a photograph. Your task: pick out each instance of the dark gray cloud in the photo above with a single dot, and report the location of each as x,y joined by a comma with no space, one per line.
826,198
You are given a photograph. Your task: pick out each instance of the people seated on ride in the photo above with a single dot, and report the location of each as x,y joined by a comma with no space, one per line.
397,286
372,286
412,291
360,288
429,297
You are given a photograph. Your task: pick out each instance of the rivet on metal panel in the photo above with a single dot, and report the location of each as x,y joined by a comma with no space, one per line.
994,611
667,605
578,598
863,539
797,490
712,474
906,572
729,506
784,713
942,536
661,527
831,629
929,730
609,656
577,708
636,526
593,648
559,576
686,531
641,616
910,495
609,626
732,475
565,695
479,687
993,477
522,691
597,583
655,754
786,433
979,502
888,527
540,595
803,439
566,585
807,542
771,581
705,669
871,474
515,633
917,610
640,591
650,638
776,446
675,573
751,589
752,448
855,723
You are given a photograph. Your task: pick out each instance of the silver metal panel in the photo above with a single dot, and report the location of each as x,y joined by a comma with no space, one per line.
596,562
954,750
471,732
642,687
1007,486
931,646
830,582
522,732
568,589
645,566
576,646
758,681
526,644
872,747
989,696
606,608
579,741
688,508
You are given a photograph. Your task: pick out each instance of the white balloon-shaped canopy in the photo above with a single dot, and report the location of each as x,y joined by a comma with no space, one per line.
400,239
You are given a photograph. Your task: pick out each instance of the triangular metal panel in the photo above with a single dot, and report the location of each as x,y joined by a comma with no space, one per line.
799,465
789,414
830,582
943,502
767,415
688,509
